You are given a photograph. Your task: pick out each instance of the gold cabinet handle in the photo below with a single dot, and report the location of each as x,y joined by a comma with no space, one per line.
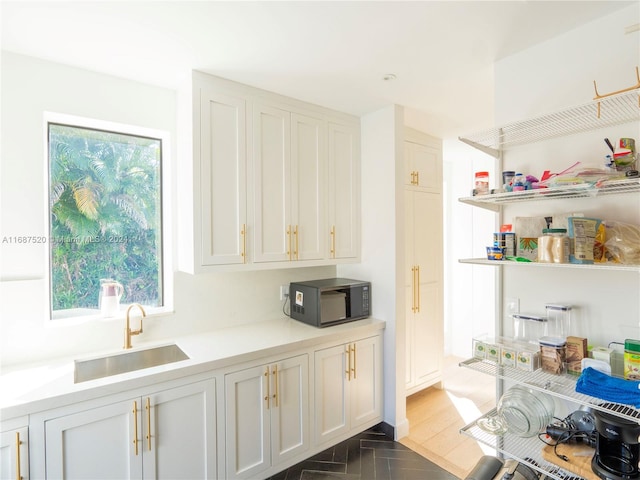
289,241
266,398
348,371
135,426
295,234
243,238
413,289
333,241
413,178
418,288
276,396
148,409
355,361
18,443
417,178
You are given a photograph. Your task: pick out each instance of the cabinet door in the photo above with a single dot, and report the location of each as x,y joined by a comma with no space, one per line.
425,318
308,175
423,166
331,395
344,193
290,408
179,433
366,382
14,454
247,400
272,180
100,443
223,182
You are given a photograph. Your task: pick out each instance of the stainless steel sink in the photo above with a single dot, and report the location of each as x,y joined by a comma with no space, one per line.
91,369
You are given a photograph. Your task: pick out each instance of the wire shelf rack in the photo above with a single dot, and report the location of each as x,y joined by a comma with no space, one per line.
579,266
612,110
562,386
495,201
524,450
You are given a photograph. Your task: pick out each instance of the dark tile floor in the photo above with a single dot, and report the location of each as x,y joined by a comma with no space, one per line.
368,456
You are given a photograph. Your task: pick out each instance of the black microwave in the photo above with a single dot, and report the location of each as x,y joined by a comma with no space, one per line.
330,301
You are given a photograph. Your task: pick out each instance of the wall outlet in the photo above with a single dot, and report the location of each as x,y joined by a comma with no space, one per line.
284,291
511,306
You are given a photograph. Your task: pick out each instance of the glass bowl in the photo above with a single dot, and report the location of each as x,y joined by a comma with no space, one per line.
525,412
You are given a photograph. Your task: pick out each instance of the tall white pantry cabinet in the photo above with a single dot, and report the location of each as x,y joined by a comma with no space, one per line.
423,278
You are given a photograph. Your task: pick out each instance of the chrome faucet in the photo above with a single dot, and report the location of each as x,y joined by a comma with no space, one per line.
128,333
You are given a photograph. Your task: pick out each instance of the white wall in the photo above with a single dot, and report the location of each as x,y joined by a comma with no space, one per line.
201,303
553,75
382,166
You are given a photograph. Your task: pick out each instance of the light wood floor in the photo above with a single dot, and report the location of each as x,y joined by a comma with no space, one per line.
436,416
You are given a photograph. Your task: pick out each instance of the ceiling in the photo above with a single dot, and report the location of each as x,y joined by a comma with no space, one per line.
327,52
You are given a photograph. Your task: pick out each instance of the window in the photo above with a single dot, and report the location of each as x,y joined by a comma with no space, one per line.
105,205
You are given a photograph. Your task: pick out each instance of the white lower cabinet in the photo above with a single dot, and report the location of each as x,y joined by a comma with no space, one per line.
348,387
162,434
267,416
14,454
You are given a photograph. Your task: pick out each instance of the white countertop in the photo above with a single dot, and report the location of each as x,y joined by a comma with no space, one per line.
32,388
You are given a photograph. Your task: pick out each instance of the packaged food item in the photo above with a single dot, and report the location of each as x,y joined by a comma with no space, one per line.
623,242
508,355
576,351
527,230
506,240
582,233
553,246
495,253
482,183
479,349
553,354
631,359
528,360
599,250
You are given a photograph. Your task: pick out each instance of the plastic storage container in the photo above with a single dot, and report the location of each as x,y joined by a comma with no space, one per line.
529,328
553,354
558,320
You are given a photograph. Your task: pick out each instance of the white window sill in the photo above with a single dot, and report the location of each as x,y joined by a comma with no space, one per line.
76,316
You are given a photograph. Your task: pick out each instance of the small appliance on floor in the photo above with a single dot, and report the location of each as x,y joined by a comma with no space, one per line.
617,447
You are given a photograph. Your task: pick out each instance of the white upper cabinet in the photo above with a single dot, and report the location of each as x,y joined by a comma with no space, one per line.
274,181
423,161
289,152
344,190
223,181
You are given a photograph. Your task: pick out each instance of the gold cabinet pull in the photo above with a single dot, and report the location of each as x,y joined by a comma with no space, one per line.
355,361
276,395
135,426
418,288
295,234
417,178
413,178
348,371
289,241
148,409
413,289
18,443
266,398
243,238
333,241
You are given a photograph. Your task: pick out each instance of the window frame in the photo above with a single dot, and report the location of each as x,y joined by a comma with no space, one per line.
166,216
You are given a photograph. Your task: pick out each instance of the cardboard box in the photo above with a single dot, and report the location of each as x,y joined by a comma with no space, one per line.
576,351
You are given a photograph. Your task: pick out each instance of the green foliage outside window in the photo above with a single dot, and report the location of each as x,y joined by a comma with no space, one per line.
105,205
